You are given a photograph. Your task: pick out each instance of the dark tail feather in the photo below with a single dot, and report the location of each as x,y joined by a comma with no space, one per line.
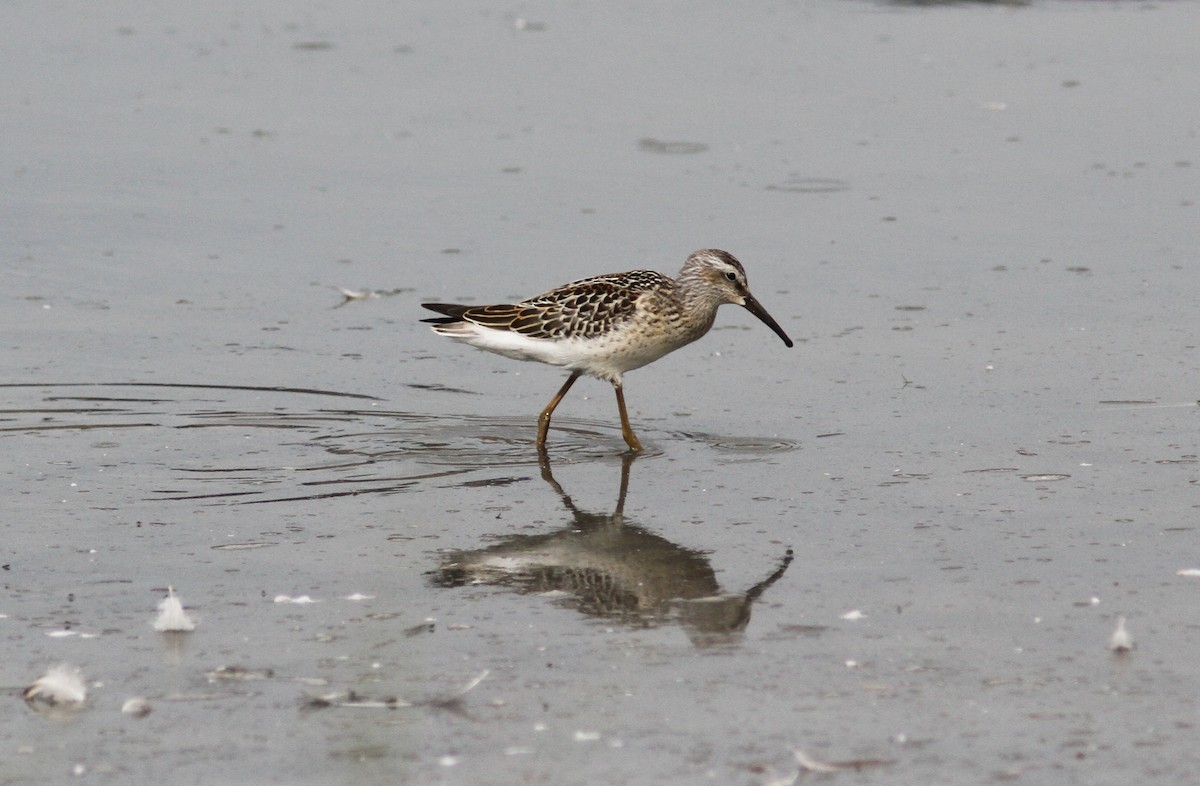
453,312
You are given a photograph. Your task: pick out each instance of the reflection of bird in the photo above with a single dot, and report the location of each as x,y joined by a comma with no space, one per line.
612,569
607,325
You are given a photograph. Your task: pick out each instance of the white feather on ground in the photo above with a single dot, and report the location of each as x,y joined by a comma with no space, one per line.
136,707
171,616
301,600
61,685
1121,640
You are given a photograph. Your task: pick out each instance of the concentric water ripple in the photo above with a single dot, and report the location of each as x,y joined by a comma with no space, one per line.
213,443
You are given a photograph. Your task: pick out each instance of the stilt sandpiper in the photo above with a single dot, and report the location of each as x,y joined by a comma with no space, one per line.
607,325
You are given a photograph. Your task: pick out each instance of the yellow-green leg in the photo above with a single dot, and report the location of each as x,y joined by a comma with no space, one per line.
626,431
544,418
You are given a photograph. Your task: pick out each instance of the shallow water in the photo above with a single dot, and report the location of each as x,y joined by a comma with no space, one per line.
902,545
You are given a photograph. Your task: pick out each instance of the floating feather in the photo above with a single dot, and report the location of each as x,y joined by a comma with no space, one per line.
60,686
171,616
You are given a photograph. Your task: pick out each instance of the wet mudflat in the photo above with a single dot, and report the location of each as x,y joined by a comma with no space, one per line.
900,548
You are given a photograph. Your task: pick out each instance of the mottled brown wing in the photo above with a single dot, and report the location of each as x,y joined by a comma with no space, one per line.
501,316
581,309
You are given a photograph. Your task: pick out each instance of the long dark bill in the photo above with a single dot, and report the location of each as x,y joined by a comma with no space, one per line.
755,308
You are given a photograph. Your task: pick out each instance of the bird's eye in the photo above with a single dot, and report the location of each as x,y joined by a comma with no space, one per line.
731,276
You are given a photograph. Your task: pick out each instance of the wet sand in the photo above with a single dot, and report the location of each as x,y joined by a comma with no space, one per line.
900,547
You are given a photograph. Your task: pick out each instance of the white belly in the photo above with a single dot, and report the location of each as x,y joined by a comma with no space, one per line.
606,356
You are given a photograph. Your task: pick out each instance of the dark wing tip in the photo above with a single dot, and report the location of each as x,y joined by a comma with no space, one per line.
452,312
449,309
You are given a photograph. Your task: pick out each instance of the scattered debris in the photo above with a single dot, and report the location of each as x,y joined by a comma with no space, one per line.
853,615
64,633
454,700
238,674
289,599
416,630
171,616
355,700
1188,572
382,615
60,686
351,295
812,765
360,596
136,707
1121,640
240,546
808,764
